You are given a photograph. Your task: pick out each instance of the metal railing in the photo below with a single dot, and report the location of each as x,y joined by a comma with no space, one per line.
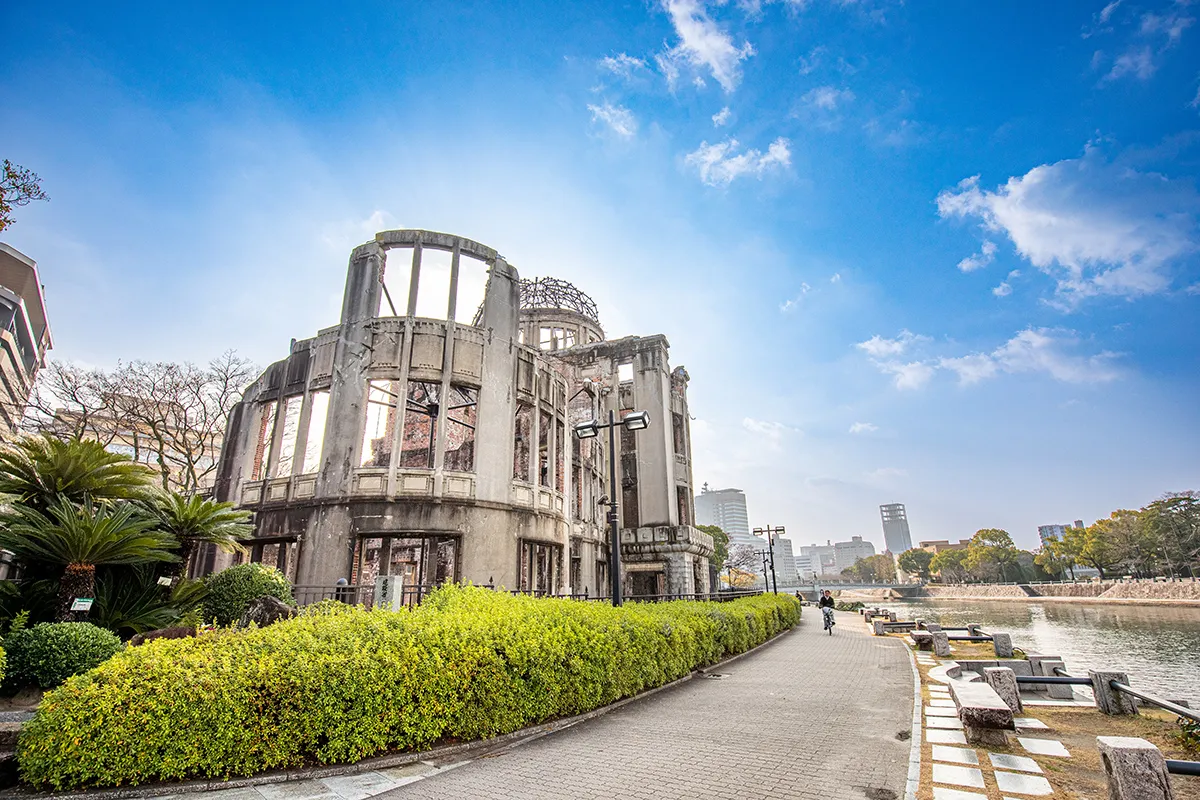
413,594
1176,767
1167,705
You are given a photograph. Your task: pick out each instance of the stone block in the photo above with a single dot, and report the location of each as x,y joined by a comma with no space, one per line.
1108,699
1135,768
1035,663
941,644
923,640
985,716
932,627
880,630
1003,644
1057,691
973,628
891,616
1004,681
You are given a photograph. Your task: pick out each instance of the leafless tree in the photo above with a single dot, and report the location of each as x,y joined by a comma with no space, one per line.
169,416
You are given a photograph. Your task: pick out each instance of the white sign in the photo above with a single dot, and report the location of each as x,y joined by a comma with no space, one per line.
165,581
82,604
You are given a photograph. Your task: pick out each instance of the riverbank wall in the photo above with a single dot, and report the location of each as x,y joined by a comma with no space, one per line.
1186,592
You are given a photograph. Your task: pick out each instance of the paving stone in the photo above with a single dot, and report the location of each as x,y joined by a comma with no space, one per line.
958,776
945,737
297,790
1017,763
1044,747
955,755
942,793
1031,723
953,723
1022,784
941,701
360,786
941,711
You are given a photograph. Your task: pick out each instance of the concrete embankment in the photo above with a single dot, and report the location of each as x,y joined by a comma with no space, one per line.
1185,592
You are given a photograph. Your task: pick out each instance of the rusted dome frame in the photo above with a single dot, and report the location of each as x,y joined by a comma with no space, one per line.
556,293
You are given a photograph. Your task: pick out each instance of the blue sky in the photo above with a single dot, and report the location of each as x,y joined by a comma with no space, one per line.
939,254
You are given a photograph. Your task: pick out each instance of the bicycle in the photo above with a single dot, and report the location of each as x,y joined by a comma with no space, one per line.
829,621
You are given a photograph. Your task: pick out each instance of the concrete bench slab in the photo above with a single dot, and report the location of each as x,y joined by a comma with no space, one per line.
984,714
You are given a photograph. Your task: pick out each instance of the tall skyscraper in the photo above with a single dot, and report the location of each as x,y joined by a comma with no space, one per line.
726,508
1057,531
895,528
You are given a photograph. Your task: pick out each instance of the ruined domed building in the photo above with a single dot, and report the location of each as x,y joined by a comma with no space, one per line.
428,435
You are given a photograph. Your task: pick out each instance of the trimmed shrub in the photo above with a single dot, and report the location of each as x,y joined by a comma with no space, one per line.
3,665
49,653
339,684
231,591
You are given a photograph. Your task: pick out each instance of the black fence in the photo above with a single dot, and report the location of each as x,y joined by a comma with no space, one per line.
412,594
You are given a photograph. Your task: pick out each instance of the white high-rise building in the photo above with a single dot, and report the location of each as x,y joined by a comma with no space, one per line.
726,508
785,560
896,537
846,553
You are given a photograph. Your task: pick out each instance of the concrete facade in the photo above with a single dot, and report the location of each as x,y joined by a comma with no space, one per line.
24,335
428,436
847,553
726,508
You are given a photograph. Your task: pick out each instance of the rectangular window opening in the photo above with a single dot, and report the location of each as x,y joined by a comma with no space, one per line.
625,372
291,431
397,277
262,449
418,447
318,413
522,435
544,423
380,425
472,286
679,434
559,448
460,428
433,285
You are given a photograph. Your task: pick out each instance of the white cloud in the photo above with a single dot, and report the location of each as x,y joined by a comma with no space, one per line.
702,44
863,427
1193,289
795,301
879,347
1097,227
622,65
1036,350
886,473
987,252
1195,100
1137,61
1005,287
912,375
835,278
719,164
618,118
1107,12
722,117
1156,34
772,432
827,98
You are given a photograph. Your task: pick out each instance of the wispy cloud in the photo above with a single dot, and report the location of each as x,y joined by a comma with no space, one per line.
618,119
795,301
622,65
720,164
1005,287
835,277
827,98
703,44
985,256
863,427
722,117
773,433
1096,226
1138,62
879,347
1154,35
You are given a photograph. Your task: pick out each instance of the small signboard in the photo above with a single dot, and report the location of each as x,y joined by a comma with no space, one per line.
165,581
82,604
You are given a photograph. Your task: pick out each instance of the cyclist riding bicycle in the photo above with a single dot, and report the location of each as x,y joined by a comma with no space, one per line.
826,606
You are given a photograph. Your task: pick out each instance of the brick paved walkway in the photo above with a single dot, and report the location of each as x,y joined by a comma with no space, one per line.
811,716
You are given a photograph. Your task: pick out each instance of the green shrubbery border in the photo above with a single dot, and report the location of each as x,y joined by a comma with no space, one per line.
340,684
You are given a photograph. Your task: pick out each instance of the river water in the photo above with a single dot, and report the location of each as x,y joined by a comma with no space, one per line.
1158,646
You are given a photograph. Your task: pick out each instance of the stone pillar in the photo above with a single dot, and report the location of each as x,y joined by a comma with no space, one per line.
920,623
1057,691
941,644
891,616
1135,768
1003,644
1108,699
868,615
1035,663
923,640
973,628
879,629
1004,681
932,627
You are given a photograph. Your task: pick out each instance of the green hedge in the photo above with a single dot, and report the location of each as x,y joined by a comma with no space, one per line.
49,653
339,684
231,591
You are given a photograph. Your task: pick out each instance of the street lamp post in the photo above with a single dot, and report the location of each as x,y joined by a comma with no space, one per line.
769,531
634,421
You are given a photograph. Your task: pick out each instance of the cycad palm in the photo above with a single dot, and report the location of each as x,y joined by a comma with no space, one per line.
79,538
195,520
40,471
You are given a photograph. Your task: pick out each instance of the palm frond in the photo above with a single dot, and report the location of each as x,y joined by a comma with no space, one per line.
39,471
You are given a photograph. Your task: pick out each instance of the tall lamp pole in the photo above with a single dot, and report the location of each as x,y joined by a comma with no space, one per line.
634,421
769,532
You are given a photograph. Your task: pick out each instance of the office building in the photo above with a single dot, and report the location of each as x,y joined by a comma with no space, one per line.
847,553
726,508
896,538
24,335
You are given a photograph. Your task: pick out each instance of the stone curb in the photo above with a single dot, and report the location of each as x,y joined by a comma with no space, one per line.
913,784
513,739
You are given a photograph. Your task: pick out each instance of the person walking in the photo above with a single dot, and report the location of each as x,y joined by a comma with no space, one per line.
826,605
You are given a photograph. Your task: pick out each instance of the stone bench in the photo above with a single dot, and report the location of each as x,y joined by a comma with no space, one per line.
985,716
923,640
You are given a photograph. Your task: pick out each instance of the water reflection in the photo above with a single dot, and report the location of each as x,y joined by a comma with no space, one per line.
1159,646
